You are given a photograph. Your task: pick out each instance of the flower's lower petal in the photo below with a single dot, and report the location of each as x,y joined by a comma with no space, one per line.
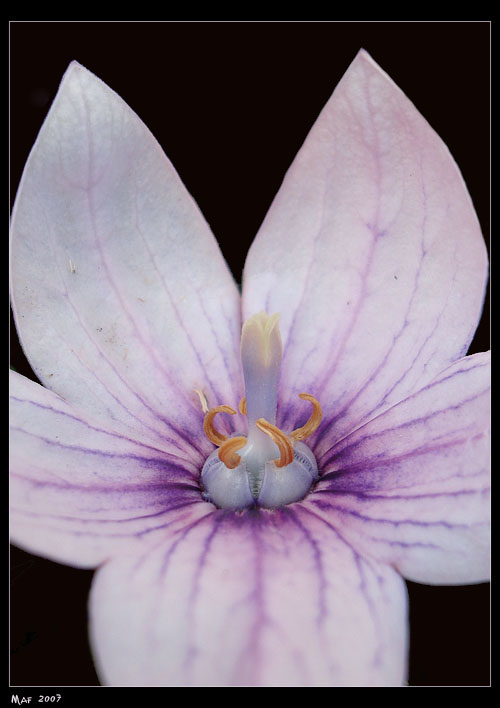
81,493
123,302
411,487
251,598
371,253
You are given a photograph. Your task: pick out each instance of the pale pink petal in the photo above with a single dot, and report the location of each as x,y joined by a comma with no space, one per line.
253,598
81,492
371,253
123,302
412,486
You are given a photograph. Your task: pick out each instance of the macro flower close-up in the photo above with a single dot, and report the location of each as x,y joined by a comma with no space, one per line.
253,472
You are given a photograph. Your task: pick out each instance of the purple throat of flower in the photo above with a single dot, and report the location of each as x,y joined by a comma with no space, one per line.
267,467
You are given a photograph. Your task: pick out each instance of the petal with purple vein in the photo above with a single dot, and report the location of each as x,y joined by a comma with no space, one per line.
371,252
253,598
80,492
411,487
122,299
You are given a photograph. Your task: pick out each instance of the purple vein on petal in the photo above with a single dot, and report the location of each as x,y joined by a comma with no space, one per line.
328,506
223,353
182,534
154,463
306,508
178,316
440,379
411,423
102,355
369,495
149,350
338,414
369,260
434,444
359,560
376,231
104,431
343,473
355,313
424,253
106,488
377,658
93,520
253,642
108,534
291,512
191,650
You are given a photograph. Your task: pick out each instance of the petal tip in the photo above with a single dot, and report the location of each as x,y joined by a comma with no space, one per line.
74,67
364,56
78,73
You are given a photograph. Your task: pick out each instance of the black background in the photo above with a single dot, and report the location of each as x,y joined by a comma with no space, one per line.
231,103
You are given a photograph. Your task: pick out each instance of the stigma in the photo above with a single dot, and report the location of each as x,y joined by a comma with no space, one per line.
266,466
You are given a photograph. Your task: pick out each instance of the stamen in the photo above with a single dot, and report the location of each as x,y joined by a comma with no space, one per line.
242,406
203,399
208,428
279,439
313,422
227,451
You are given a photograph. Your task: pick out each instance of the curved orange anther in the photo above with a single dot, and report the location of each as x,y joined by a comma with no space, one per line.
242,406
313,422
227,451
208,427
279,439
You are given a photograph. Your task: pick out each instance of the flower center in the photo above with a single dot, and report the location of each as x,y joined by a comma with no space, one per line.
266,467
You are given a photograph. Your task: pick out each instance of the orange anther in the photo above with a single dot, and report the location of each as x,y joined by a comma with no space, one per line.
242,406
313,422
227,451
208,427
280,439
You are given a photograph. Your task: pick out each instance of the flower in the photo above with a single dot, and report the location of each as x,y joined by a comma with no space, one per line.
372,256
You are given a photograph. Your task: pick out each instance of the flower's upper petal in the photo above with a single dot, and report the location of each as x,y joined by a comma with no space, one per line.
80,492
122,299
372,254
250,598
411,487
